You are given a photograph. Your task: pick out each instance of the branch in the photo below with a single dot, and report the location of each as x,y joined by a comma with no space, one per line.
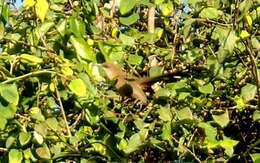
253,60
151,13
62,110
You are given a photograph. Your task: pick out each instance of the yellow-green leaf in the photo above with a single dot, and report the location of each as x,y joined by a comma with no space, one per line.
28,3
27,58
78,87
41,8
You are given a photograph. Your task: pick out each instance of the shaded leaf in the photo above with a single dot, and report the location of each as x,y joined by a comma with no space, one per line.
24,138
10,93
207,89
126,6
210,13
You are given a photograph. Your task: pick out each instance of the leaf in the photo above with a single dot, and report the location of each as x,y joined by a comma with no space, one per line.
248,92
210,13
130,19
210,131
255,157
38,137
127,40
155,71
77,27
28,3
27,58
15,156
24,138
10,93
53,124
222,119
44,152
126,6
165,114
256,115
41,9
135,59
184,113
3,123
166,8
82,48
228,145
35,113
244,34
167,131
207,89
78,87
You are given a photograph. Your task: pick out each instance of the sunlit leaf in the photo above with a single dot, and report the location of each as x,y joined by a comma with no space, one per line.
24,138
184,113
221,119
15,156
207,89
10,93
3,123
248,92
41,9
210,13
82,48
126,6
78,87
43,152
130,19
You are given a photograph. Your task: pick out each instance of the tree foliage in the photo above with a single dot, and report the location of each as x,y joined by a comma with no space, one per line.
56,104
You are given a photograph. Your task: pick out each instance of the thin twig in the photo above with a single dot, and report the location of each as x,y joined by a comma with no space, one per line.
200,20
254,69
187,149
62,110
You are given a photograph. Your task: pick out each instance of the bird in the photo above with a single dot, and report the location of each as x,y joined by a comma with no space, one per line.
130,85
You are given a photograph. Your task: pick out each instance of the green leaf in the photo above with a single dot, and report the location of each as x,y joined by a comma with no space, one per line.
24,138
228,145
207,89
10,93
135,59
78,87
36,114
83,50
255,157
41,9
11,140
3,123
8,112
222,119
77,27
126,6
184,113
127,40
167,131
44,152
165,114
155,71
256,115
15,156
38,137
130,19
210,131
31,59
210,13
53,124
248,92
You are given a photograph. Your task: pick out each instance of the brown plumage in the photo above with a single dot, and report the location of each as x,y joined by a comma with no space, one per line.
130,85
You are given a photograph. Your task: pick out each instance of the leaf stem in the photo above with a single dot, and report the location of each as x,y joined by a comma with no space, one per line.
10,80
